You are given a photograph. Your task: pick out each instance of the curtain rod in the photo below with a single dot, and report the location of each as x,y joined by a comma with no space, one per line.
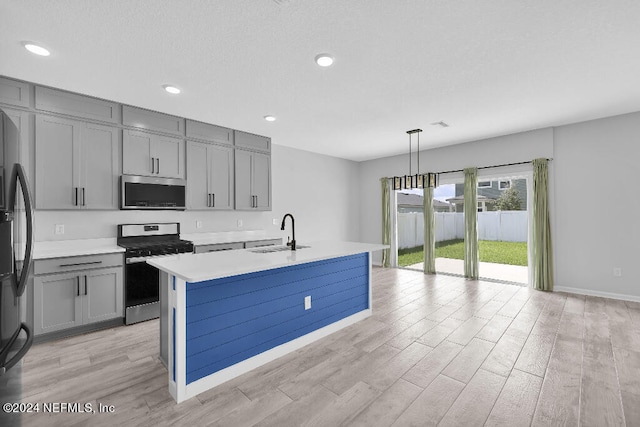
490,167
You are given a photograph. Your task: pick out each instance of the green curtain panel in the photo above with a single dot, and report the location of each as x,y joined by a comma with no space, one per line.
471,223
542,263
429,233
386,220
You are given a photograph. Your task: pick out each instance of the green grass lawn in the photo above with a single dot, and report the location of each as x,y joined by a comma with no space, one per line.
513,253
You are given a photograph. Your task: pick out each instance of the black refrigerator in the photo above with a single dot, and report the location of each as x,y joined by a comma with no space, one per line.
16,246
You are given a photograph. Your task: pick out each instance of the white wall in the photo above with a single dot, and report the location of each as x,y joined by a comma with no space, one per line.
315,188
597,215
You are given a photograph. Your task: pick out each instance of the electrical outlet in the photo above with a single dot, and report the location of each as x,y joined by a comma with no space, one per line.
617,272
59,229
307,302
198,224
239,223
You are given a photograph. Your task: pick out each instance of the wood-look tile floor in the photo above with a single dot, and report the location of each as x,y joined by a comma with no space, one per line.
439,350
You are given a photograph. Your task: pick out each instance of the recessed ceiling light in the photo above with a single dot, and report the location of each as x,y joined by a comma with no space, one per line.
270,118
324,59
34,48
171,89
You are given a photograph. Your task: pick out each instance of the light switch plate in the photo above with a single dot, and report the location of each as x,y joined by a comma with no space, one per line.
307,302
198,224
59,229
239,223
275,221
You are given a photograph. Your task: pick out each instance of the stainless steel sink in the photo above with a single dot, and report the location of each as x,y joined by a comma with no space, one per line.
270,249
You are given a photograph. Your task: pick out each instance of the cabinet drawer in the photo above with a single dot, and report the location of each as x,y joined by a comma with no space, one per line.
259,243
76,105
145,119
218,247
254,142
60,265
14,92
207,132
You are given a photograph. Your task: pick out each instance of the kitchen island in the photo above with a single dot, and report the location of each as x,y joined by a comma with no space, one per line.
230,312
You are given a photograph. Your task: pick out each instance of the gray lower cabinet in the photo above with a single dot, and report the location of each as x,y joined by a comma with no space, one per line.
209,176
252,180
152,155
75,298
77,164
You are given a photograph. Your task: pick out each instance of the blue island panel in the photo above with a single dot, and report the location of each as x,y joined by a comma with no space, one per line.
234,318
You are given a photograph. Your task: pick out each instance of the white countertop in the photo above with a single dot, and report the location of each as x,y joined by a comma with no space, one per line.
64,248
229,237
214,265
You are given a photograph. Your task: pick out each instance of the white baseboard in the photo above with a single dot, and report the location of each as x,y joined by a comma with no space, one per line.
593,293
247,365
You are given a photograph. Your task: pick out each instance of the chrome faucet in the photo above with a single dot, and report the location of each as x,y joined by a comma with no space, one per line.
291,243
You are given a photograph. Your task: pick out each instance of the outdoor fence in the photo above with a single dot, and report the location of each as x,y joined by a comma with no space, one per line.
508,226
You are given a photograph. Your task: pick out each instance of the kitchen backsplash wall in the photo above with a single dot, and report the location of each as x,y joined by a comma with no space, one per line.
318,190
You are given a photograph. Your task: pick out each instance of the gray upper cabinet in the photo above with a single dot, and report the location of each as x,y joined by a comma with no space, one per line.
77,164
151,120
209,176
252,180
210,133
57,101
252,142
13,92
152,155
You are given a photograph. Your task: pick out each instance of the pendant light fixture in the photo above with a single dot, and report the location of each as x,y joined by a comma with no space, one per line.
410,181
406,182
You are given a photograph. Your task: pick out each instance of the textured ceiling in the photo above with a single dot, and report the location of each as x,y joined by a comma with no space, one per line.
486,68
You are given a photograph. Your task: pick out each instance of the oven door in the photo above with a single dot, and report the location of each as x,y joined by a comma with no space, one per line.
141,291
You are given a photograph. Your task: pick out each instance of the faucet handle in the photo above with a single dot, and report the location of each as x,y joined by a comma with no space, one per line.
288,241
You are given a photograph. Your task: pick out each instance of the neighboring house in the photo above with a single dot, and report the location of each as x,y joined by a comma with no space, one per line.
415,203
493,189
484,203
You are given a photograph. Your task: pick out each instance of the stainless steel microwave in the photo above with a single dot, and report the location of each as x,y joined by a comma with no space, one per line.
144,192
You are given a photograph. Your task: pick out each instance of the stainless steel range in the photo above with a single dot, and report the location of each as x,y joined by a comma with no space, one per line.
141,280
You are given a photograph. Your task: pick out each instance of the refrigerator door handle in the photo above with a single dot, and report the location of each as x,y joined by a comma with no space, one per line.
21,177
20,354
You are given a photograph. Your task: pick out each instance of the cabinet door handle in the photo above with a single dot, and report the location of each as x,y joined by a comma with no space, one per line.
256,201
153,165
75,199
158,168
84,202
213,200
77,286
86,288
80,263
